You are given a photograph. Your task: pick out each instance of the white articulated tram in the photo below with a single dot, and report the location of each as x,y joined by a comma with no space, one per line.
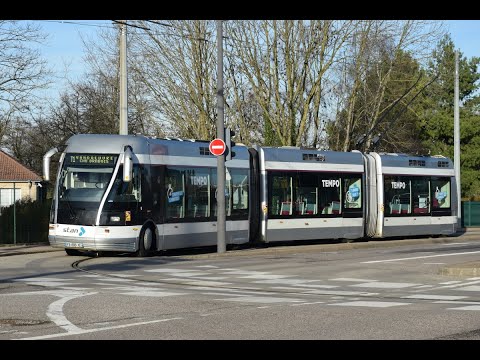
410,195
130,193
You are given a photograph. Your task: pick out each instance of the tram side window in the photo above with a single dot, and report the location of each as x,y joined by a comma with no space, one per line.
330,195
353,192
307,194
237,185
175,193
281,195
441,193
421,195
198,193
397,197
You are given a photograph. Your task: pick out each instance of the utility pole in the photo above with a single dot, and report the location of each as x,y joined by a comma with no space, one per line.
221,217
14,217
123,79
456,141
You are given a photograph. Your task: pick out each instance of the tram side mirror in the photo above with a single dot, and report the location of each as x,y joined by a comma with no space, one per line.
46,163
128,164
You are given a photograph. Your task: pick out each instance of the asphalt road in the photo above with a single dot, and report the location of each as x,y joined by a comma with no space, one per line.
375,290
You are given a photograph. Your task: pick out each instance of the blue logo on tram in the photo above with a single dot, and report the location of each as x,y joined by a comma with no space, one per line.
82,231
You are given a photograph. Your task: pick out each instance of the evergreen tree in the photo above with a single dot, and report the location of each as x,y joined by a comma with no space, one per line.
437,121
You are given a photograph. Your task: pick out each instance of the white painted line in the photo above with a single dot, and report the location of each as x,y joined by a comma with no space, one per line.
265,276
473,278
472,307
205,283
222,294
456,302
470,288
450,244
151,293
340,292
432,263
86,331
119,280
294,282
450,282
207,266
262,299
376,304
434,297
55,313
263,307
423,286
385,285
352,279
420,257
43,278
458,285
245,290
309,303
193,273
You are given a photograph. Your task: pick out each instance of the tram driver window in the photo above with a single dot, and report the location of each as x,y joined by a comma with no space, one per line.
126,191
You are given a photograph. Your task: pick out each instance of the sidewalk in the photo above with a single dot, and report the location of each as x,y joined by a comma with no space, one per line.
21,249
468,233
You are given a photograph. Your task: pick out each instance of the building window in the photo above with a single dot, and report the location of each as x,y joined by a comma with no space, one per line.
6,196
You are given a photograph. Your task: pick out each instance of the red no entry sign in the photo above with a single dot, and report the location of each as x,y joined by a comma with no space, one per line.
217,147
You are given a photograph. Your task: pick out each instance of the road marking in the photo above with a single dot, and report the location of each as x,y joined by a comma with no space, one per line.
420,257
86,331
309,303
381,304
433,297
352,279
470,288
207,266
385,285
261,299
473,307
432,263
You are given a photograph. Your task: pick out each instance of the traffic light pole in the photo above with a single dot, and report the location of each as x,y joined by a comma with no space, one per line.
221,217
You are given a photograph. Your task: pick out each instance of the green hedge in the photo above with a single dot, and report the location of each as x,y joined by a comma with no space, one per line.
31,219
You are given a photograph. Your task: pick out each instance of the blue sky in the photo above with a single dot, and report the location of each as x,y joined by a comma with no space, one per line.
65,47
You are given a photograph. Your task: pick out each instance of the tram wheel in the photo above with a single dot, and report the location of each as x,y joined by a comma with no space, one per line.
146,242
73,252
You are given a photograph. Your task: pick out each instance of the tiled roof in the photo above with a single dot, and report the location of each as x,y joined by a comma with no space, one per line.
11,169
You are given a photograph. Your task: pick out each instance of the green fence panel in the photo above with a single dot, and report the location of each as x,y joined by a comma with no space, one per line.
471,213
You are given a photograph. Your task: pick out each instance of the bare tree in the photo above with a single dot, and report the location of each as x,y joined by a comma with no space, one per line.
22,70
285,62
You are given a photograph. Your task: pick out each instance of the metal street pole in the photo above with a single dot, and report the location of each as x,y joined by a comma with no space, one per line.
123,79
221,217
456,141
14,217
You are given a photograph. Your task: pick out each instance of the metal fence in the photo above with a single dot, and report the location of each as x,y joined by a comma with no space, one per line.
470,213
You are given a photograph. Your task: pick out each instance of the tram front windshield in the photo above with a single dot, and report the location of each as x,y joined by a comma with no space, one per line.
81,186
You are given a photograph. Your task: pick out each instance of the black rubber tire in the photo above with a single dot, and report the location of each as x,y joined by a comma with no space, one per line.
73,252
146,246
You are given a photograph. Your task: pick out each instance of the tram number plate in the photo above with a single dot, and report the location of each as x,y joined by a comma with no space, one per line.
73,245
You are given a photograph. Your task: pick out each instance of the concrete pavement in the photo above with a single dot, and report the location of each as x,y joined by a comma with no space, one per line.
469,269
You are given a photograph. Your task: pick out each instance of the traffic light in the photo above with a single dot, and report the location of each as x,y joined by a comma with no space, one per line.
229,133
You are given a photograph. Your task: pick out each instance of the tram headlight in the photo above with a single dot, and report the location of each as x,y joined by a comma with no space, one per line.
114,218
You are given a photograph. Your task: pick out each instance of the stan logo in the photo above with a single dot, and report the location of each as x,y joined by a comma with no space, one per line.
82,231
